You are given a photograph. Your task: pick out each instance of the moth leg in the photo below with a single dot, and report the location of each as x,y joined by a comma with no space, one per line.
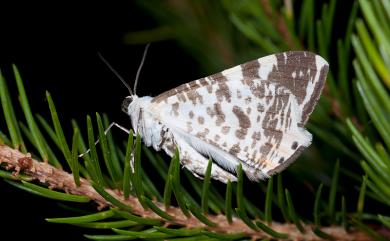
197,163
113,124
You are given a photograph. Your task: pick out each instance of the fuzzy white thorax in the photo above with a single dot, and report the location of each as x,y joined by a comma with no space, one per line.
144,121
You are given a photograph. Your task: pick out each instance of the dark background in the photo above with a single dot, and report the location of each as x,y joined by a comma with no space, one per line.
55,47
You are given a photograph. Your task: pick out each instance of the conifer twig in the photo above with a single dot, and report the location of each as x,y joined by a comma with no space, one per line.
55,178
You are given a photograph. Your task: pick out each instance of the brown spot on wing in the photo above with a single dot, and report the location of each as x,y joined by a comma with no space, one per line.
175,108
294,145
223,92
191,114
260,107
243,122
218,77
200,120
194,96
248,100
209,88
256,87
281,160
203,134
265,149
203,82
255,138
193,85
217,112
235,149
241,133
181,97
251,69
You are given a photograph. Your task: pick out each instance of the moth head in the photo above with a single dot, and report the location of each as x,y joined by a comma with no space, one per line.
126,102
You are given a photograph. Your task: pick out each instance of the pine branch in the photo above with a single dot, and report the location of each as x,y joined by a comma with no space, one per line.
58,179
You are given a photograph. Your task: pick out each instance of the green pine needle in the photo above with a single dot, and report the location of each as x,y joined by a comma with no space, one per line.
157,210
316,212
10,117
168,186
127,171
108,225
228,202
137,219
198,214
281,199
321,234
110,198
292,212
47,193
114,174
137,177
206,185
183,232
385,220
109,237
344,213
75,157
37,135
270,231
144,234
11,176
84,219
362,195
93,164
240,194
244,217
333,191
268,201
59,132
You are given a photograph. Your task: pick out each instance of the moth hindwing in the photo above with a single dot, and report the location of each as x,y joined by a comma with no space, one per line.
253,114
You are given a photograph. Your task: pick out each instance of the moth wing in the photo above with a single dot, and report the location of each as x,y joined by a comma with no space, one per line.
253,112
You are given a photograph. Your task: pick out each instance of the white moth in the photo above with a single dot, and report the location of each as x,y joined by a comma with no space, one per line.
253,114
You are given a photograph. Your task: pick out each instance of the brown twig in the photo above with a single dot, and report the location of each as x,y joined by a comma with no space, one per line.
55,178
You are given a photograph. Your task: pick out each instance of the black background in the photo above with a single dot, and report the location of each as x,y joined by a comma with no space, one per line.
55,47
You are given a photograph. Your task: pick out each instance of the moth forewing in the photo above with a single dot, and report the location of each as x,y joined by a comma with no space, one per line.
253,114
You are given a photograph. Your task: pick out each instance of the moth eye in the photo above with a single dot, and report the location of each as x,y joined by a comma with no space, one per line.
125,104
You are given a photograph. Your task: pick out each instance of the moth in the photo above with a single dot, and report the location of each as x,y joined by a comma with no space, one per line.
253,114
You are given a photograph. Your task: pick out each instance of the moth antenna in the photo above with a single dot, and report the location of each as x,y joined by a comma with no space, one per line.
140,67
116,73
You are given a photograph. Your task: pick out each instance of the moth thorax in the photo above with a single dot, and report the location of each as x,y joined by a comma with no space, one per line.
137,108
